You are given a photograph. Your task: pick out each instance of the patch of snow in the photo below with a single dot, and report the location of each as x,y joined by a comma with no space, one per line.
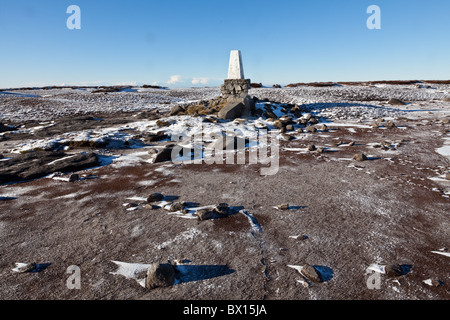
131,271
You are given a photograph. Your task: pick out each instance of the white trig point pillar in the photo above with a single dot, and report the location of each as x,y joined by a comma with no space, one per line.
236,68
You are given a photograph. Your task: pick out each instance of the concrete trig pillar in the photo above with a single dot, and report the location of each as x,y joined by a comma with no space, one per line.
236,68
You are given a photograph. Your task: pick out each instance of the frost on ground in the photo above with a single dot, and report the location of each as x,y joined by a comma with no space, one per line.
347,219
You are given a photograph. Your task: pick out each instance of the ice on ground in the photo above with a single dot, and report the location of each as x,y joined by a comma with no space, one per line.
131,271
377,268
447,254
445,149
184,236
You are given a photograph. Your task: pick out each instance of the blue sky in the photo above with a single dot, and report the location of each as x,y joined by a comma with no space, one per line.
180,43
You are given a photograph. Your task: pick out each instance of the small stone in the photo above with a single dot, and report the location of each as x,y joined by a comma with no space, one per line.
397,270
374,125
25,267
205,214
311,273
434,282
320,150
284,206
323,127
311,129
447,176
160,275
360,157
351,144
289,127
389,124
150,206
313,120
74,177
222,208
177,110
395,101
311,147
155,197
177,206
287,137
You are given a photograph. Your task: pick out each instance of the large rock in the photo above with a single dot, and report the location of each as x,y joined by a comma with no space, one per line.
35,165
232,110
160,275
237,107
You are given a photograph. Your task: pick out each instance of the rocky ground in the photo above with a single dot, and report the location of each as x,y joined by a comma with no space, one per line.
358,209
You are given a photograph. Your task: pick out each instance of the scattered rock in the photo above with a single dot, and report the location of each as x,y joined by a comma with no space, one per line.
38,164
164,155
323,127
205,214
397,270
160,275
177,206
311,147
287,137
447,99
311,129
313,120
447,176
360,157
4,128
300,237
434,282
289,127
320,150
222,208
389,124
152,137
395,101
284,206
74,177
176,110
155,197
25,267
311,273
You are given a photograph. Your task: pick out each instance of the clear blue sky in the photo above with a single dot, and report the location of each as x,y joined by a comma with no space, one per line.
188,42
